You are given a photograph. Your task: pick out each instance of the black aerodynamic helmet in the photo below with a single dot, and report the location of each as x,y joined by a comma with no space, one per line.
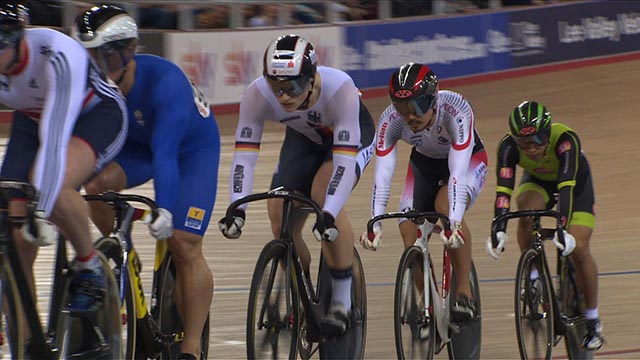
290,60
13,17
413,89
532,121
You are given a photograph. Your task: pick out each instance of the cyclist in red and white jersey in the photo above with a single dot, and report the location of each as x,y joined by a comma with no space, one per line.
68,122
447,168
328,143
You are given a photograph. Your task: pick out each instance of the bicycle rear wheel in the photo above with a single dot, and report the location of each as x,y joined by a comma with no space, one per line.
533,309
467,343
571,305
272,313
112,250
415,333
168,317
12,322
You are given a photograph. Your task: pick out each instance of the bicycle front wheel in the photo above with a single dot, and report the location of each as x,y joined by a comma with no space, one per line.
167,314
414,324
273,312
12,320
533,308
112,250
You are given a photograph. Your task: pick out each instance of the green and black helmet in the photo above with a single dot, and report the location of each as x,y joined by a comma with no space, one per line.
530,120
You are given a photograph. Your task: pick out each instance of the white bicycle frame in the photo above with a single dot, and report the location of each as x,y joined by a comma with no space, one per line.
441,301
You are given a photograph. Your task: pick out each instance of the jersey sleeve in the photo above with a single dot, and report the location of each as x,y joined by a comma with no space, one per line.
66,89
389,131
568,152
460,129
171,98
345,106
254,109
505,174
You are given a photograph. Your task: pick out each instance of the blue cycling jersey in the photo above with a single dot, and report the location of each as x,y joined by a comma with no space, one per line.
174,139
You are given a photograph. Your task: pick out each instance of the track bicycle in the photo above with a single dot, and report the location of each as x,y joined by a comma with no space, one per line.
277,327
153,331
95,336
544,314
422,322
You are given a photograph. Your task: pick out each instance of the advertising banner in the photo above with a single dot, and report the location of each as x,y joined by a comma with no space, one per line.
573,31
453,47
223,63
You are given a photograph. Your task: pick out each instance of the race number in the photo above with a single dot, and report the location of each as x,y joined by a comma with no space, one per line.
201,101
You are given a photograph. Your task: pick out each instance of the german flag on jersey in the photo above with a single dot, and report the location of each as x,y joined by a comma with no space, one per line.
247,146
345,150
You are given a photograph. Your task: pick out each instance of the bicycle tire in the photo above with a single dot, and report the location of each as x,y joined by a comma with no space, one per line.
571,305
112,250
168,317
467,343
272,259
13,324
534,315
409,311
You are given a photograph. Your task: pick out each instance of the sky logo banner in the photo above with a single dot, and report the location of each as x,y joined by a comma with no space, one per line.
452,47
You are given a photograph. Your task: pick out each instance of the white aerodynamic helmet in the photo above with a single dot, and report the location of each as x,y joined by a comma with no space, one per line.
102,25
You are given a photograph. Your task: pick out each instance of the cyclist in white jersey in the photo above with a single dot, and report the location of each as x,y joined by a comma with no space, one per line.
328,143
447,168
68,122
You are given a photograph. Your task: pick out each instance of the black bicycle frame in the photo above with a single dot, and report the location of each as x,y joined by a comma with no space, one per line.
312,304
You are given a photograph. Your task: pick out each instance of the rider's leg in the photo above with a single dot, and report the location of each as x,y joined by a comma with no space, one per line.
408,232
461,257
194,287
111,178
274,208
586,268
528,200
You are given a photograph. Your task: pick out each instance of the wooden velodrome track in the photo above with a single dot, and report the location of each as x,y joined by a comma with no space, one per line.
600,102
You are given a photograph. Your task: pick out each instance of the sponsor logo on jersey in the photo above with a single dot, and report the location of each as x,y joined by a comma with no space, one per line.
344,136
337,177
443,140
383,131
33,83
506,173
450,109
564,147
238,176
246,132
139,117
416,140
314,117
502,202
195,217
290,118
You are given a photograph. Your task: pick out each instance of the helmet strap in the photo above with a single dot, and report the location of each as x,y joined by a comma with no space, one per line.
305,103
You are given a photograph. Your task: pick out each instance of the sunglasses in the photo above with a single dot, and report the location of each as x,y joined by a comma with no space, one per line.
293,88
531,141
418,106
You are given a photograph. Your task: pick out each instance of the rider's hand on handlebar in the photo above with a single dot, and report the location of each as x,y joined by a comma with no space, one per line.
371,241
46,231
453,238
162,227
330,231
494,252
569,243
233,230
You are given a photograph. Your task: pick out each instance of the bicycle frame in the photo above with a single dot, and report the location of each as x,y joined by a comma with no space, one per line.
441,301
312,304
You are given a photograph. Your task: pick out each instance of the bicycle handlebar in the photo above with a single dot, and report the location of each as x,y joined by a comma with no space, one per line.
527,213
114,198
414,215
281,194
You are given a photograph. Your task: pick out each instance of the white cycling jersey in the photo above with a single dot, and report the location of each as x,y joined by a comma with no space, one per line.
336,112
54,84
450,137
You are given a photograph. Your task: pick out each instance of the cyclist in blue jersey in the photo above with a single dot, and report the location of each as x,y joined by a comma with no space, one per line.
174,140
